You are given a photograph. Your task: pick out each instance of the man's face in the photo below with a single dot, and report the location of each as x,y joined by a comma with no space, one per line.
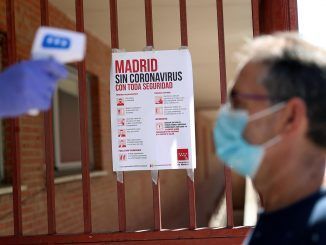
248,83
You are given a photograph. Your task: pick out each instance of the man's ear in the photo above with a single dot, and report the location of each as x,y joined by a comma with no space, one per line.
295,116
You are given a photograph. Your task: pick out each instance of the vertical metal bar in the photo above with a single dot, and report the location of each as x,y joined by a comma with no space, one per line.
183,22
293,15
156,200
190,172
16,178
121,201
221,50
149,23
48,143
255,33
83,120
278,15
255,17
223,90
44,8
14,124
120,175
156,186
114,24
191,198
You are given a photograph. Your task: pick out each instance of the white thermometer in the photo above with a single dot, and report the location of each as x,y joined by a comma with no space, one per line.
60,44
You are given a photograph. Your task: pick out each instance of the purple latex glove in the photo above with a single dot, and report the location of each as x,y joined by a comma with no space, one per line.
29,85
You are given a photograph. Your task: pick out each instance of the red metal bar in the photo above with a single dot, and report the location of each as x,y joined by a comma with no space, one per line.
221,50
255,17
223,90
14,125
83,120
256,32
228,195
183,22
293,12
149,23
120,184
203,236
190,180
121,205
48,143
157,203
114,24
277,15
156,186
192,202
44,7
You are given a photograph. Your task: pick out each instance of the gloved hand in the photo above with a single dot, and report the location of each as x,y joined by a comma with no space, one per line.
29,85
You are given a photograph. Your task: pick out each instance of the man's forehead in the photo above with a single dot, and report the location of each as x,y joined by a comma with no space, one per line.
249,79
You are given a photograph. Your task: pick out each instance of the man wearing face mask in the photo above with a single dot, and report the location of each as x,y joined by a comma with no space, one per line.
274,131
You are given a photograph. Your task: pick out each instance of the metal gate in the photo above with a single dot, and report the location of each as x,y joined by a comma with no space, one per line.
267,15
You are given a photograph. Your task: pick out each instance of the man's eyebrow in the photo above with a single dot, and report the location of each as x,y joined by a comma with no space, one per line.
250,96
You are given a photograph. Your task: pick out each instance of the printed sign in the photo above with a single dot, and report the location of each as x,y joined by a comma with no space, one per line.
152,110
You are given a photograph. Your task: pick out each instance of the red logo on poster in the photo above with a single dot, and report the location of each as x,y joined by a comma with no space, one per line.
182,154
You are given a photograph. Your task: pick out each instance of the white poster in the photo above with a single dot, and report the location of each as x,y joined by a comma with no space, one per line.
152,110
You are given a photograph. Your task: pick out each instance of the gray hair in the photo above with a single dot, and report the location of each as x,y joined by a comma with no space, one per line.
296,68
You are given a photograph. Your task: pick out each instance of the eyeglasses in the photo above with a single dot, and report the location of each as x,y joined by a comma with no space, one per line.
234,95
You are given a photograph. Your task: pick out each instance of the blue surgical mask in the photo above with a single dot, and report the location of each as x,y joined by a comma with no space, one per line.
232,148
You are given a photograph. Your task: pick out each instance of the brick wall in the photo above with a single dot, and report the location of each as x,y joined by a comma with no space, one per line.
103,189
